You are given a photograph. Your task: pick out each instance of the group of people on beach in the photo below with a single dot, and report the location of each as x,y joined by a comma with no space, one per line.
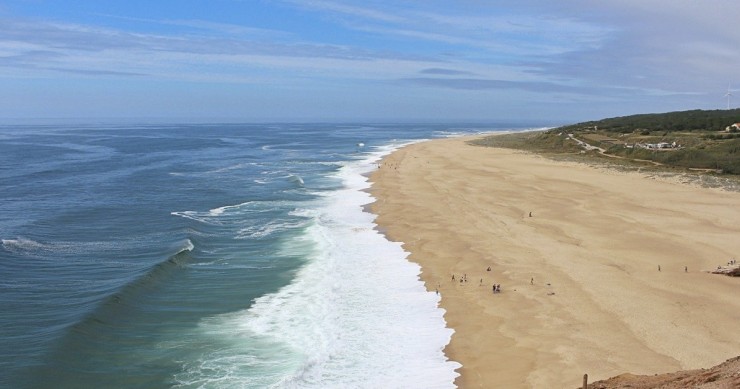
462,279
390,165
495,288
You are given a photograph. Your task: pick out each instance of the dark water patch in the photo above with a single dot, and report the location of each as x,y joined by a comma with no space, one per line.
102,343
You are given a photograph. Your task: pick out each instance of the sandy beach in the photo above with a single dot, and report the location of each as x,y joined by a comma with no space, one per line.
608,275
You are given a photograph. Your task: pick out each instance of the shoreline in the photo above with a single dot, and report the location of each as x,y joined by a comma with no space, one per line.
581,292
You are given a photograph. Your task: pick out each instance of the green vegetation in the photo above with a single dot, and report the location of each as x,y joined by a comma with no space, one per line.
690,121
693,140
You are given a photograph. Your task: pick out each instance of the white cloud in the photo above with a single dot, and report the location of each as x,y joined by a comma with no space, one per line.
349,10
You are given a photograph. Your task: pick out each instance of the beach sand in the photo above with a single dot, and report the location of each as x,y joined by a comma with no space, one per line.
580,287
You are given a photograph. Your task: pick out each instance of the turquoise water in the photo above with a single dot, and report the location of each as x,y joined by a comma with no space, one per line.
223,255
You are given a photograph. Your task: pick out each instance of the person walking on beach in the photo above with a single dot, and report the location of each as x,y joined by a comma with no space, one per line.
531,282
658,267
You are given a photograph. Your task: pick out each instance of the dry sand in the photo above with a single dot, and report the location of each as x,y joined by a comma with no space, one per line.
593,245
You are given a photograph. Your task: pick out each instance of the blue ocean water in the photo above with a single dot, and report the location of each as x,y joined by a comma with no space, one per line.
208,256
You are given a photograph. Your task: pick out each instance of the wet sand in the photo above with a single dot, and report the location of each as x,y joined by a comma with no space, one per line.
580,287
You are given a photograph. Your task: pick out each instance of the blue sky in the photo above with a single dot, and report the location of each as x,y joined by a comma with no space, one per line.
548,62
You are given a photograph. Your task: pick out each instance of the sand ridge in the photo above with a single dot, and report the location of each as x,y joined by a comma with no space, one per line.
581,290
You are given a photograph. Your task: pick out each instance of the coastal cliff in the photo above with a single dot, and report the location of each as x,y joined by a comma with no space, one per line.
723,376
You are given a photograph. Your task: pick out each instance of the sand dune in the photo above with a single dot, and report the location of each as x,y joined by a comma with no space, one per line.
581,289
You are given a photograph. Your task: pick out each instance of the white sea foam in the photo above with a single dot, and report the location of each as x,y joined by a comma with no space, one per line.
267,229
203,217
228,168
356,315
296,179
22,244
213,216
220,210
187,246
25,246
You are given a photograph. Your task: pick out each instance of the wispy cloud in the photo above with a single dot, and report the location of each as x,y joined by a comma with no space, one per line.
680,48
210,27
74,48
491,84
43,60
498,31
94,72
446,72
355,11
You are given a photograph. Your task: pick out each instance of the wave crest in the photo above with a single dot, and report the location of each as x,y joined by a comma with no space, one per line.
29,247
19,245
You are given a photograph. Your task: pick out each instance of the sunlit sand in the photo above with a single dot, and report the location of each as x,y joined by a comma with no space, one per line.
608,275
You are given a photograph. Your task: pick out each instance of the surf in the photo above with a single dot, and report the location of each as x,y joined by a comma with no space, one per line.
355,315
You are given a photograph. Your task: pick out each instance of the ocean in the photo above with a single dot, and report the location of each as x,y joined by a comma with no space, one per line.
209,256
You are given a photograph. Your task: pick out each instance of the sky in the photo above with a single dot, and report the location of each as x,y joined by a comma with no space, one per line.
529,61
